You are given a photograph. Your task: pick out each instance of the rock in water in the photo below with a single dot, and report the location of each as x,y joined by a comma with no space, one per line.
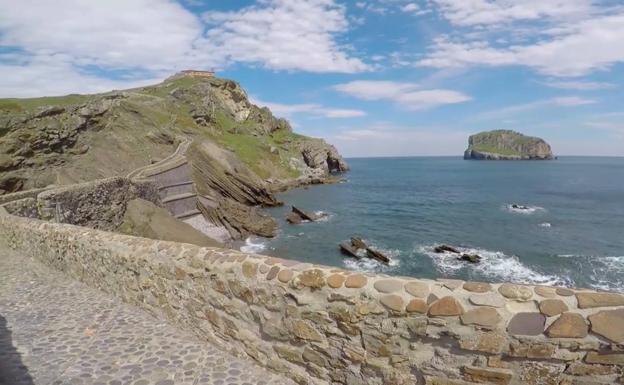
472,258
358,243
304,215
346,248
375,254
445,248
293,218
507,145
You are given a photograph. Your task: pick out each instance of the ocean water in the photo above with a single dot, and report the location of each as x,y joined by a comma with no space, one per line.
572,235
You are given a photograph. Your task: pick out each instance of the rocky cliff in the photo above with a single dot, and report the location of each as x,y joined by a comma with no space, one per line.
507,145
240,152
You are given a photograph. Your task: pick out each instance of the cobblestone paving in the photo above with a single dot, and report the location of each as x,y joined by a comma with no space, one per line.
56,331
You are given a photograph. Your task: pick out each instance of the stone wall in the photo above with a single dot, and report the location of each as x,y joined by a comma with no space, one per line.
99,204
323,325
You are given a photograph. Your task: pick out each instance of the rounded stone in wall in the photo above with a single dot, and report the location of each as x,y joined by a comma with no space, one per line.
393,302
356,281
477,287
527,324
568,325
335,280
552,307
285,275
273,273
417,305
417,289
446,307
545,291
490,299
517,292
388,285
482,316
609,324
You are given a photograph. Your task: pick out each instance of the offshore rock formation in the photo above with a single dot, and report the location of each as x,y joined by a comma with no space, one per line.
507,145
240,154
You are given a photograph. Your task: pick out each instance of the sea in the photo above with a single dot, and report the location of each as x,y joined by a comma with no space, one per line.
570,231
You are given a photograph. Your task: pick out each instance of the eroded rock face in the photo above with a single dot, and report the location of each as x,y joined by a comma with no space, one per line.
320,155
228,191
507,145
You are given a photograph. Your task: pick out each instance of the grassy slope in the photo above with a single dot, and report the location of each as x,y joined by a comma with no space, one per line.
485,142
146,126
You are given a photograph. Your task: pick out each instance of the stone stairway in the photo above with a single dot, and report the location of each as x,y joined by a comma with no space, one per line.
177,190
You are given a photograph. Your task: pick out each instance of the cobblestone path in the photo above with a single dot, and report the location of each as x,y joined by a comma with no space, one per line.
56,331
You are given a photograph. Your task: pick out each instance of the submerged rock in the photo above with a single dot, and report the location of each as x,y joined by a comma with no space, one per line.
297,216
445,248
302,214
378,255
349,250
293,218
472,258
358,243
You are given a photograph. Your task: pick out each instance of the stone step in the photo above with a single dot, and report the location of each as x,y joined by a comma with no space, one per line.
188,214
177,197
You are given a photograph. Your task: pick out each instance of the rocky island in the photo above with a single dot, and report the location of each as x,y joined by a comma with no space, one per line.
507,145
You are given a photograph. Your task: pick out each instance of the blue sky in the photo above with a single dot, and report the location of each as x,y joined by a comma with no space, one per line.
374,77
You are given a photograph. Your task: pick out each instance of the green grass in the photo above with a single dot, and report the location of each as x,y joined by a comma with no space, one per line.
162,90
18,105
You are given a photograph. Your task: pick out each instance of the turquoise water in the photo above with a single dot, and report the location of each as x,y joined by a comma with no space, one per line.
573,235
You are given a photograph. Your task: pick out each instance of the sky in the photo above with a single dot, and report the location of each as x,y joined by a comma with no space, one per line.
373,77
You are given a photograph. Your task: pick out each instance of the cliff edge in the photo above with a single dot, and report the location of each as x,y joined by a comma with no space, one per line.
507,145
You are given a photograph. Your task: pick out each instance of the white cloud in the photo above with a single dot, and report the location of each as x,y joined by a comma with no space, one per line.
579,85
85,44
381,139
151,34
51,75
487,12
566,101
283,35
288,110
408,95
572,49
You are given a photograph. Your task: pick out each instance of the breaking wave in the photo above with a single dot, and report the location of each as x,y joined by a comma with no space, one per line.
253,246
494,265
521,209
602,272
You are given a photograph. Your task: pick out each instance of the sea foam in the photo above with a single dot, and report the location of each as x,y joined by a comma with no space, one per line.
494,266
253,246
527,211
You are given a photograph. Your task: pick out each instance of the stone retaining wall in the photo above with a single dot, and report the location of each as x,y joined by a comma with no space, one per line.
323,325
99,204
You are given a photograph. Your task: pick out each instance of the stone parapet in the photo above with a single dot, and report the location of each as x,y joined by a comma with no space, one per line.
99,204
322,325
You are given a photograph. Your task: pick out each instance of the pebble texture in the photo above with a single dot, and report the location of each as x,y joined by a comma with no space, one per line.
55,331
312,324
